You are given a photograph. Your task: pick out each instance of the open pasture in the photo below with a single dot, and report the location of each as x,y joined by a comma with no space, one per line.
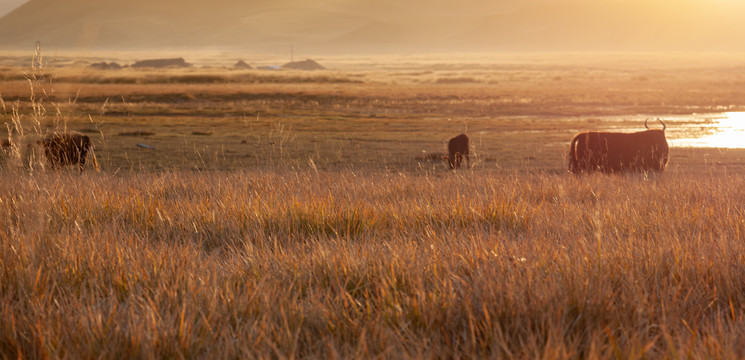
383,112
286,214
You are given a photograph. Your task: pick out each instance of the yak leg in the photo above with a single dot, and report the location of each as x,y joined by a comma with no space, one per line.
52,162
81,160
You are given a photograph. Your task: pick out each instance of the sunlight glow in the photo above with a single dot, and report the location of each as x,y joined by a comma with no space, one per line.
726,132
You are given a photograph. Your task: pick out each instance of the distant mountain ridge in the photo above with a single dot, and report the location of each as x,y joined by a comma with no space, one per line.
384,26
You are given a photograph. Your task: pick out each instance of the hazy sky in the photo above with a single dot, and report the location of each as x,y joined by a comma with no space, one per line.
379,25
7,6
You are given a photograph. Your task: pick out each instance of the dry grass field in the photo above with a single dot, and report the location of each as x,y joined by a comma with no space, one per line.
287,214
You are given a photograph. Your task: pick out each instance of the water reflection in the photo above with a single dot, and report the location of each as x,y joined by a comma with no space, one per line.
725,130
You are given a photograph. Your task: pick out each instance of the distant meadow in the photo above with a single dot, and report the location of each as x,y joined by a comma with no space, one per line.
262,213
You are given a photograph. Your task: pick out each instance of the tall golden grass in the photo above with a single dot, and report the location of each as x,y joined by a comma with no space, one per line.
349,264
332,240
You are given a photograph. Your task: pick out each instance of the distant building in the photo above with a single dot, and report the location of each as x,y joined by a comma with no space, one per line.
161,63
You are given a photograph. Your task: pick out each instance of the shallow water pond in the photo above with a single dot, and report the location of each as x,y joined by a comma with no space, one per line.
710,130
725,130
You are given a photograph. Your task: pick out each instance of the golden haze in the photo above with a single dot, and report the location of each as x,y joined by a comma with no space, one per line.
291,214
346,26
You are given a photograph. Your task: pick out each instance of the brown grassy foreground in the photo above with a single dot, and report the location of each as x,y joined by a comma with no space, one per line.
348,264
286,215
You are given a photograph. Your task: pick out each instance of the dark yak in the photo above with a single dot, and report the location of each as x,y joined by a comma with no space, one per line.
5,148
617,152
457,147
67,149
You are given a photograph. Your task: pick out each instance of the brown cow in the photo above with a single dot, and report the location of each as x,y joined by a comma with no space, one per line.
616,152
67,149
457,147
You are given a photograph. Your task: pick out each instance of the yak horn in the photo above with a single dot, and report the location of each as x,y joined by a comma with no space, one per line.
645,123
663,124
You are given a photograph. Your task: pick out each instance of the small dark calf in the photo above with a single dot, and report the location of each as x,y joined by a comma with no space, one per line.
457,147
67,149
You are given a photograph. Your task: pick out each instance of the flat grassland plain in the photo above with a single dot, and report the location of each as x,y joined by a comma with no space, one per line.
291,214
